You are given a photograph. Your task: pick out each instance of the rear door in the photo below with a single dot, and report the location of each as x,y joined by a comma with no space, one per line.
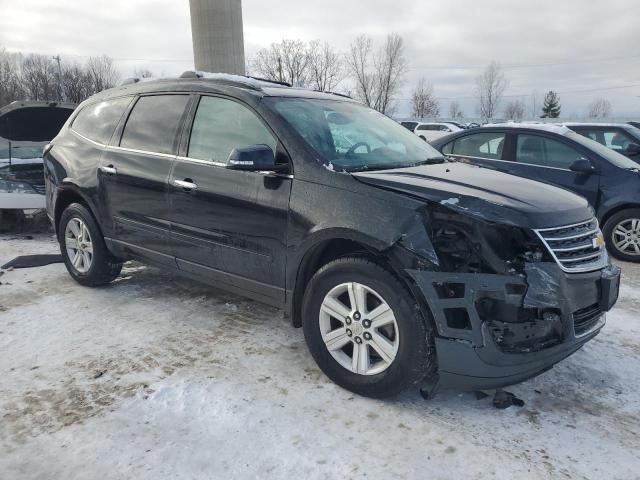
228,225
135,171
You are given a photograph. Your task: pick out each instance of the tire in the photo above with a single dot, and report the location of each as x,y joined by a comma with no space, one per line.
93,269
621,222
411,333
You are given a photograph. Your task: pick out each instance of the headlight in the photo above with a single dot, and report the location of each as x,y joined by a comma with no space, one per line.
7,186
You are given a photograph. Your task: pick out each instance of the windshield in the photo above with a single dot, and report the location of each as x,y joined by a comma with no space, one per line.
612,156
350,137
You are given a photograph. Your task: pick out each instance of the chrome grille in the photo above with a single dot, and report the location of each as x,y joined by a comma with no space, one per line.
576,248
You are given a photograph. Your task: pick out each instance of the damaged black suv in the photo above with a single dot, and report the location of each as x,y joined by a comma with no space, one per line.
401,268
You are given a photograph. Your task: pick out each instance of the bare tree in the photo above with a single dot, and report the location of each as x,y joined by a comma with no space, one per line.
11,88
287,61
76,84
515,110
102,73
423,101
391,66
455,112
490,88
358,62
600,108
326,69
378,77
40,77
141,72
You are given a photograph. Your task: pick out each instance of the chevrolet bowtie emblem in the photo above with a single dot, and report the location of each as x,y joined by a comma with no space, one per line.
598,242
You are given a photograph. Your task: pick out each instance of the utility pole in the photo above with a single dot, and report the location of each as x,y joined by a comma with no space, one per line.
60,91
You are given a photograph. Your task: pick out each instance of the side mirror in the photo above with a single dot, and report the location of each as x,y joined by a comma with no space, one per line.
633,149
583,165
256,158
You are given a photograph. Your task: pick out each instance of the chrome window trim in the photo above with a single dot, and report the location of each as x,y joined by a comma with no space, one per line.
175,157
512,162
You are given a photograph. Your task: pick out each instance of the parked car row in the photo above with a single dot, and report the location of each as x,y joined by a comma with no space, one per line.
402,268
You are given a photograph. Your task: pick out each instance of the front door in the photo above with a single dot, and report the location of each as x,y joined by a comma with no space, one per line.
549,160
135,174
227,225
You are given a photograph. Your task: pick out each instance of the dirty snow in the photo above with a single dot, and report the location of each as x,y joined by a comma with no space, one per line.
156,377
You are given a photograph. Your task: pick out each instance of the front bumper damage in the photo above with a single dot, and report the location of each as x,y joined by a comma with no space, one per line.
499,330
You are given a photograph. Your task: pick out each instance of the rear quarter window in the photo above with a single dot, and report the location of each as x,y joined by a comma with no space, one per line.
154,123
98,121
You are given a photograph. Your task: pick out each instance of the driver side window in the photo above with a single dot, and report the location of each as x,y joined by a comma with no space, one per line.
221,125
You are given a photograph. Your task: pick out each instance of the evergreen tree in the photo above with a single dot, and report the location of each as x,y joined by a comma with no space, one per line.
551,107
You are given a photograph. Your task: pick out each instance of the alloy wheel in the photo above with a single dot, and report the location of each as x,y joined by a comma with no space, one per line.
359,329
79,246
626,237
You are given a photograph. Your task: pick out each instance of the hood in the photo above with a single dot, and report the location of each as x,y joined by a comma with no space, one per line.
485,194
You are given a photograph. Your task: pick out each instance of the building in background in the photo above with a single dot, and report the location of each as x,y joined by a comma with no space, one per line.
218,38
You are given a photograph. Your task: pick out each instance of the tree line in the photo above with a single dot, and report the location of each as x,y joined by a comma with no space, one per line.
42,77
375,75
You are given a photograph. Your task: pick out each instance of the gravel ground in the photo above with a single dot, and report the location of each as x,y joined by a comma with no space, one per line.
156,377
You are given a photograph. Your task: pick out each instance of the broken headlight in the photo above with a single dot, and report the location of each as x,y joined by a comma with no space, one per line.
468,245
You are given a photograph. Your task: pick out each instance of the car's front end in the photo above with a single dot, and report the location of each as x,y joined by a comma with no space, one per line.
513,284
21,176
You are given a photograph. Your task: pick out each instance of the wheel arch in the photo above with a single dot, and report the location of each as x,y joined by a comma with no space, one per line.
605,216
67,195
328,249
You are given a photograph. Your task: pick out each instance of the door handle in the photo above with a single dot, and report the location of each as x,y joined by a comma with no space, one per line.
109,170
186,184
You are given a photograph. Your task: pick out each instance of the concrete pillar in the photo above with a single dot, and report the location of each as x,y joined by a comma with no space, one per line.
218,38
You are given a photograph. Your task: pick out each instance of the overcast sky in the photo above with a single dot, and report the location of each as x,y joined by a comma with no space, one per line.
584,49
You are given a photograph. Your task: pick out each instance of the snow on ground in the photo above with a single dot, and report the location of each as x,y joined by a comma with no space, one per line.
156,377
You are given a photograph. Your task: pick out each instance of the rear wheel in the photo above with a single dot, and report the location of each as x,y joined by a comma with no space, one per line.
622,233
82,246
365,330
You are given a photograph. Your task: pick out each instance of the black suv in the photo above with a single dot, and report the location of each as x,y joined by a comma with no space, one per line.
401,268
557,155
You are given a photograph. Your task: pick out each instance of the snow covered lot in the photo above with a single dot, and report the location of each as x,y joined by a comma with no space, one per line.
156,377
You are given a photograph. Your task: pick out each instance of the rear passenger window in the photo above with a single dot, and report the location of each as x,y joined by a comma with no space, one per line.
545,152
481,145
221,125
97,122
154,123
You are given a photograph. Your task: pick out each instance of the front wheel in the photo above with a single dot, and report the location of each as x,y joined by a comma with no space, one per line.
622,234
365,330
83,249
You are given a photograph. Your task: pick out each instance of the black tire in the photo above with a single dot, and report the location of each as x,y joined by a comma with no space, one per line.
104,267
609,229
415,357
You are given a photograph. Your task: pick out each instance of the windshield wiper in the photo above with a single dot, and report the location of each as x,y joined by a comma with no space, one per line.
431,161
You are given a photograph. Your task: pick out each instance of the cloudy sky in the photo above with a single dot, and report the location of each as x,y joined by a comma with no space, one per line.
582,49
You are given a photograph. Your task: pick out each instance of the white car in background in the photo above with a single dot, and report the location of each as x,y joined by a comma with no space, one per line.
433,131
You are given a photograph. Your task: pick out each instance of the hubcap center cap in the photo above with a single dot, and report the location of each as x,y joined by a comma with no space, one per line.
357,329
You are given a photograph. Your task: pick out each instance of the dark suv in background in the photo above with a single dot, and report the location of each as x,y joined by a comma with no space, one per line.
401,268
557,155
620,137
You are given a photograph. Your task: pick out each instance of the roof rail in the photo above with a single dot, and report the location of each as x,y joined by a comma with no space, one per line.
276,82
